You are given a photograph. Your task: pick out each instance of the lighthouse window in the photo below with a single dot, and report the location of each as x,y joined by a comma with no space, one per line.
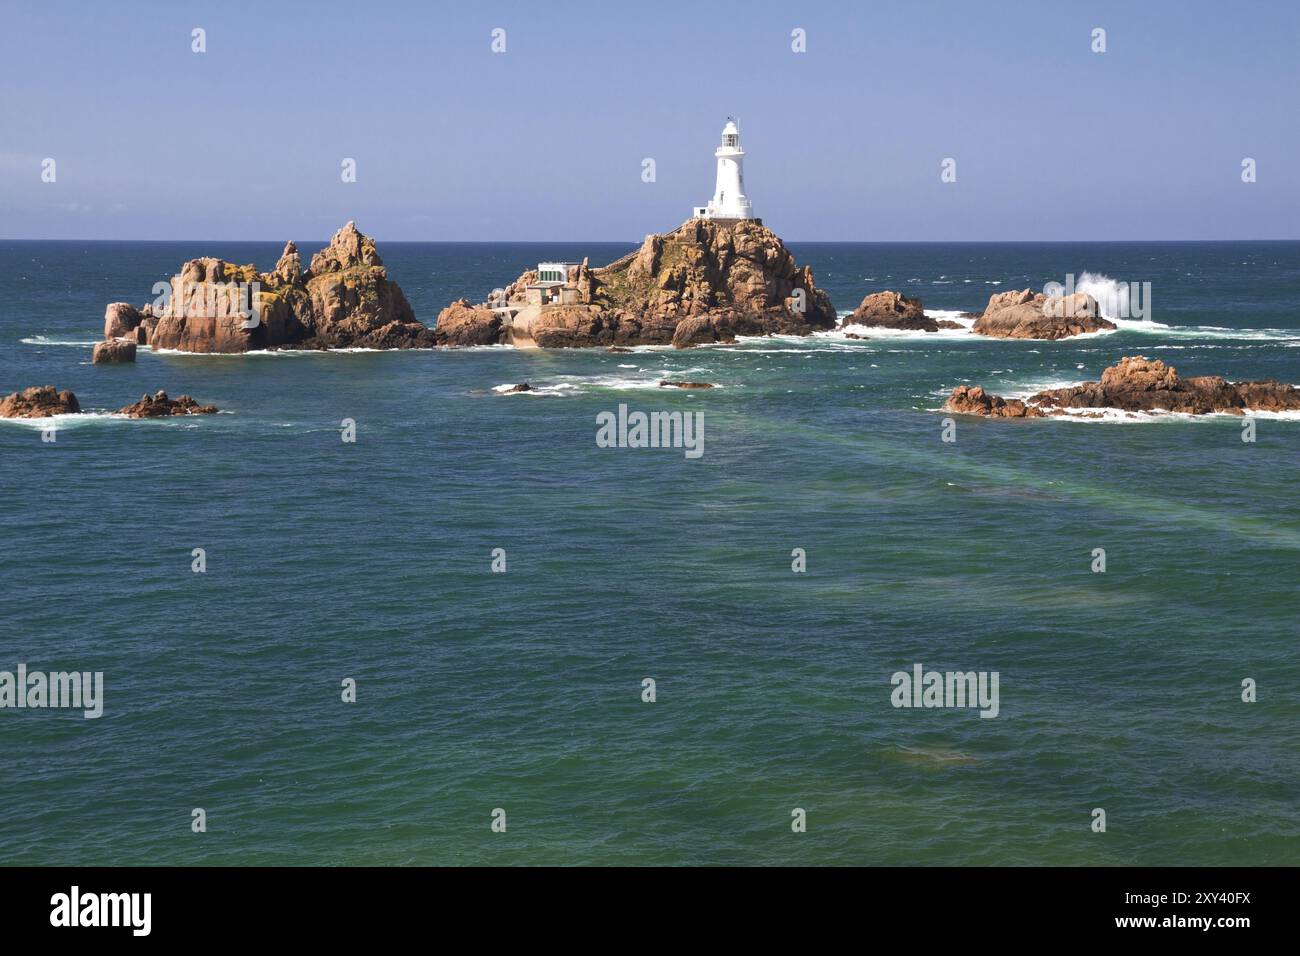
729,139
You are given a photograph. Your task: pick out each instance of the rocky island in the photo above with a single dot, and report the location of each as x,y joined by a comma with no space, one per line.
1020,314
1025,314
45,401
1136,384
344,299
893,310
39,401
158,405
707,281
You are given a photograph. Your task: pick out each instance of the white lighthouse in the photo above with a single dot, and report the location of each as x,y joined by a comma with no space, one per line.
729,201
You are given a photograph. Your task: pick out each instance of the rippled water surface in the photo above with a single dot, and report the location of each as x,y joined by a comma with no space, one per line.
522,690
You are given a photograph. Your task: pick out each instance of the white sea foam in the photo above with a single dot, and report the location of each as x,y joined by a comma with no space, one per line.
579,384
61,422
1120,416
300,353
1282,336
539,391
1112,297
1032,387
841,334
257,353
46,340
952,315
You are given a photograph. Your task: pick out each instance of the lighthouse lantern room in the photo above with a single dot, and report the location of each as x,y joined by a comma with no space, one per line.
729,200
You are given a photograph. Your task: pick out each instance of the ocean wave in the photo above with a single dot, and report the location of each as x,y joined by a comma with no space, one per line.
1112,296
536,390
1148,327
841,334
104,416
300,353
580,384
951,315
1112,416
1121,416
254,353
76,420
46,340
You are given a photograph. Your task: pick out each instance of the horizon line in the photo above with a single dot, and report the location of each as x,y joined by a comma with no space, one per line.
539,242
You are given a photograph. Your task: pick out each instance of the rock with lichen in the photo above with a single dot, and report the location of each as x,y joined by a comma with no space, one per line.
706,281
343,300
1135,384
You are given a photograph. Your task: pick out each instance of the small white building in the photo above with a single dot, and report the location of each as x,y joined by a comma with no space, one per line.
729,200
553,286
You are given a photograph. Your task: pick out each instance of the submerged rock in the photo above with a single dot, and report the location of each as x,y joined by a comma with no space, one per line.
707,281
1136,384
40,401
159,405
1024,314
521,387
664,383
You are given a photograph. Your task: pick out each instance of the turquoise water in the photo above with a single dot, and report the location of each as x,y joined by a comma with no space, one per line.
522,690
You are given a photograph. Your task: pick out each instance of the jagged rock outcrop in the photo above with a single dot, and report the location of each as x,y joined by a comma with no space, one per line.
288,270
353,304
973,400
704,282
567,327
1136,384
43,401
1024,314
464,324
159,405
113,351
344,300
121,319
892,310
39,401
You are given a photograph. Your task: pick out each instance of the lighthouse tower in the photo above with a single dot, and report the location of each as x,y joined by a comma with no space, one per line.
729,201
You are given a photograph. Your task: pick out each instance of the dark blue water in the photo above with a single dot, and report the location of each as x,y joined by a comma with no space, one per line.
522,690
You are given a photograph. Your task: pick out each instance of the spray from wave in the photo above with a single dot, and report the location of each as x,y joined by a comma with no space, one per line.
1112,297
1116,301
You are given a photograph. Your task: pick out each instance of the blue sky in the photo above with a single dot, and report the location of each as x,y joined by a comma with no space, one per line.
546,141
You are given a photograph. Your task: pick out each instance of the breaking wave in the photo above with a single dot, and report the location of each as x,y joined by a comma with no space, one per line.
46,340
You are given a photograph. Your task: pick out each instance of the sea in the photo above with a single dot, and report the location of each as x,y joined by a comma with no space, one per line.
475,635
